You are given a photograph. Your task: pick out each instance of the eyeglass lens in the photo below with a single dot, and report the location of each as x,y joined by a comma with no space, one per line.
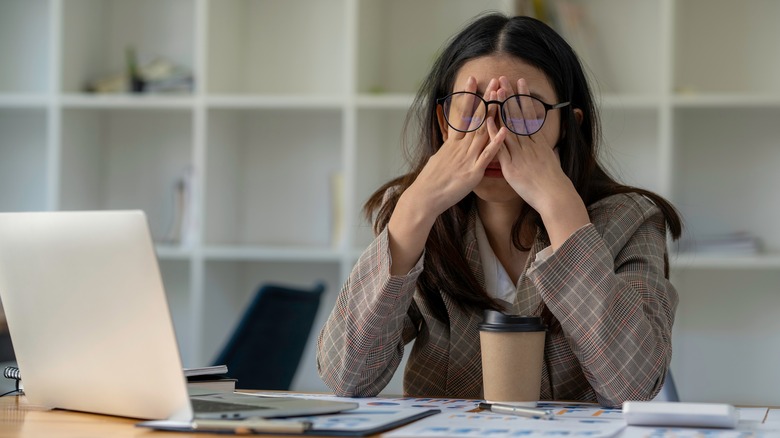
523,115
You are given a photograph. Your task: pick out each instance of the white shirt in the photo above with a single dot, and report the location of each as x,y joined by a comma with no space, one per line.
498,284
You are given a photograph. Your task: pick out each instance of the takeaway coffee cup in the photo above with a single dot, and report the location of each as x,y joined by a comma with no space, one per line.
512,357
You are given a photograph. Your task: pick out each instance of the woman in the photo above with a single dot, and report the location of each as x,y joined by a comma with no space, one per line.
507,208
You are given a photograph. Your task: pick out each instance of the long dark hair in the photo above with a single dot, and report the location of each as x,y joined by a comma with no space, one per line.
446,269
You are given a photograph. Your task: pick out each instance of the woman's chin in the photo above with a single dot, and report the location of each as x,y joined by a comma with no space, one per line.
495,190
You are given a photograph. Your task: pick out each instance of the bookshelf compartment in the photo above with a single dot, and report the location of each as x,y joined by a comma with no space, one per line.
724,322
620,43
726,160
253,50
392,58
126,159
230,286
176,279
97,33
24,46
630,147
729,49
269,176
24,163
379,158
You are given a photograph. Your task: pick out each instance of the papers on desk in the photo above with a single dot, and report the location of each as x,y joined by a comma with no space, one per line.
492,425
461,418
773,418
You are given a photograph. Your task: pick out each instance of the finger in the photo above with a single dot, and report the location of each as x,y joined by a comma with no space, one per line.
493,147
513,113
478,125
492,126
475,108
460,111
506,86
488,96
492,86
532,112
509,113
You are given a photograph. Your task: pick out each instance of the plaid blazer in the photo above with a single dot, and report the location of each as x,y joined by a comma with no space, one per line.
604,295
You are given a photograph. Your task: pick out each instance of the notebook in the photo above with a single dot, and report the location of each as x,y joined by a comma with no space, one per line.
90,324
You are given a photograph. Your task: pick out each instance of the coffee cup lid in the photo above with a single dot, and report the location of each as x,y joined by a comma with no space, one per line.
499,322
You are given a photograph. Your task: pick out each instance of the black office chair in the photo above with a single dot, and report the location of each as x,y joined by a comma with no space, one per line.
267,344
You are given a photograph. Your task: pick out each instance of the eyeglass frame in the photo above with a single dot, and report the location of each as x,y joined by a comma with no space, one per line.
547,108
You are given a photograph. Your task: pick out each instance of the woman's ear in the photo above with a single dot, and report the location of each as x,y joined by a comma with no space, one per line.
578,115
443,127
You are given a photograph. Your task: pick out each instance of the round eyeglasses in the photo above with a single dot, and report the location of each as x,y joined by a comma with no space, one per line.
521,113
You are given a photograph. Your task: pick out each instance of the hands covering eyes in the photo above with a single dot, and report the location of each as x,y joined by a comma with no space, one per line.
528,162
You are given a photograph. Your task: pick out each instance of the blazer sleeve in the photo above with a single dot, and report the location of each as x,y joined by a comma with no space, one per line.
362,342
607,287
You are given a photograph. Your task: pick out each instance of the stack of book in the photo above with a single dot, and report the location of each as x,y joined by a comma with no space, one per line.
211,378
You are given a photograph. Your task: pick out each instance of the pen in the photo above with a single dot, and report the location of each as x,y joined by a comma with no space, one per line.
251,425
543,414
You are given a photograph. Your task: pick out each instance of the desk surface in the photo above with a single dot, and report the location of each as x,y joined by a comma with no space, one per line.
18,418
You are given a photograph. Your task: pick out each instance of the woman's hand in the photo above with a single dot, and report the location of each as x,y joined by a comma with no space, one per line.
448,176
532,167
459,165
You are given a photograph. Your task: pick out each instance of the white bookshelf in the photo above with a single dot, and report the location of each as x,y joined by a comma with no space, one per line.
292,93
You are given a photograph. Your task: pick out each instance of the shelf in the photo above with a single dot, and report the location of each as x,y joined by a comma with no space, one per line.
271,253
21,100
129,101
400,101
726,100
615,101
275,102
725,261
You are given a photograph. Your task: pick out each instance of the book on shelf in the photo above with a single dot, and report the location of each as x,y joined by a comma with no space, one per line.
180,230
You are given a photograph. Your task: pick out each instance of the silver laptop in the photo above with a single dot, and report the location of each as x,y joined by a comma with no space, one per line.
90,324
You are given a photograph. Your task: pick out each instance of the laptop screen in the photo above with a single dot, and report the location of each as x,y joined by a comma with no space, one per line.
88,314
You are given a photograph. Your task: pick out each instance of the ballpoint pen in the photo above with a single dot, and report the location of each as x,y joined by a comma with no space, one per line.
522,411
251,425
